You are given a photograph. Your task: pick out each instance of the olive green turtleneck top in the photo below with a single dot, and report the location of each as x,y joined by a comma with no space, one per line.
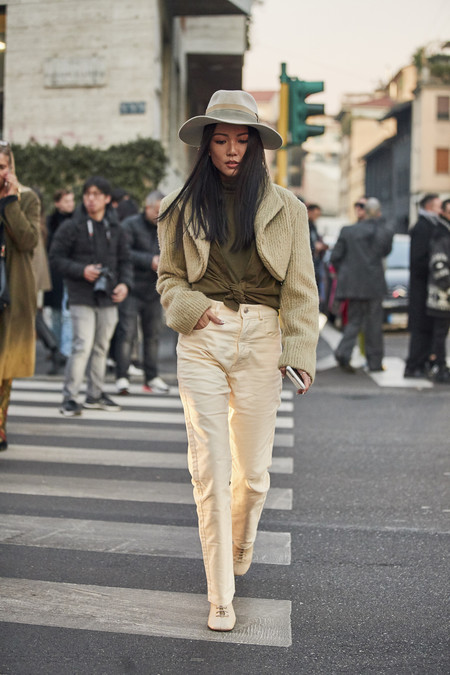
237,277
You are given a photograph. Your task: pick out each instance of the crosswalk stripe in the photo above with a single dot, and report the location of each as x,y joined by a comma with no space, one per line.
140,612
128,458
79,428
160,417
144,419
27,396
56,385
392,376
123,490
272,548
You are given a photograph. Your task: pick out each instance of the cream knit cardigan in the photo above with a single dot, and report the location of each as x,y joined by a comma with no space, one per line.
282,242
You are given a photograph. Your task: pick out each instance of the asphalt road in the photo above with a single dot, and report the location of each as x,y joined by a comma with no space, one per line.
99,558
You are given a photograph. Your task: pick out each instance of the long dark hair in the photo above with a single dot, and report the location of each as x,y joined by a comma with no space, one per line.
203,190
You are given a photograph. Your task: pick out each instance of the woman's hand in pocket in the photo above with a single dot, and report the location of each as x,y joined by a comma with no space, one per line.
205,318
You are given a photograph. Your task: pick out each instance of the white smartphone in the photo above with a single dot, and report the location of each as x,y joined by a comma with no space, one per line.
295,378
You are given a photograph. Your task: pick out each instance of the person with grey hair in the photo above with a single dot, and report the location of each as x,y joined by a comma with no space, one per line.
358,258
143,302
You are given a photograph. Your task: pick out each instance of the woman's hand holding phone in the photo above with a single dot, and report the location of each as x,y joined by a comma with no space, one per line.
299,378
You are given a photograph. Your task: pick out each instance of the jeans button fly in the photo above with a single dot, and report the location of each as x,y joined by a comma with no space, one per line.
245,310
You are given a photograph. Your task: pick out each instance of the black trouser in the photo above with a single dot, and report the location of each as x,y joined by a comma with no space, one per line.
420,347
150,313
45,335
438,347
365,316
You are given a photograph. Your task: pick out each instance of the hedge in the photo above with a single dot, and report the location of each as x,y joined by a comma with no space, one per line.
137,166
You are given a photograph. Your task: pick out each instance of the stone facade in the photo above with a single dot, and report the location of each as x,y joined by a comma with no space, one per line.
109,71
72,65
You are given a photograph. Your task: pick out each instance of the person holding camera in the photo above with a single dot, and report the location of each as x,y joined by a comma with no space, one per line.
91,251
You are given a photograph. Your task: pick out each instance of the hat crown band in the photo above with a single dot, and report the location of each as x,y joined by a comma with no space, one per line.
227,110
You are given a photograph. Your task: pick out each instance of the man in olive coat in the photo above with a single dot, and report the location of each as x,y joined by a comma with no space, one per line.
358,258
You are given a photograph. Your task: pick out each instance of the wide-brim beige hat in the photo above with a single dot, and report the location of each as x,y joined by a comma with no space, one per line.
231,107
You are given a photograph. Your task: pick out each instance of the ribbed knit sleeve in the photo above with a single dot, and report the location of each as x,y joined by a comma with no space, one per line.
182,305
299,308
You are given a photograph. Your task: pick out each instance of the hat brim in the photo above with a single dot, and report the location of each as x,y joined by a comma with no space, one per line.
192,131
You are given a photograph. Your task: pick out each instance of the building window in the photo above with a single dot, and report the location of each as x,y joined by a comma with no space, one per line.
443,107
442,160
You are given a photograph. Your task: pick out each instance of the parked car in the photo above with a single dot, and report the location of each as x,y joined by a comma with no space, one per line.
397,276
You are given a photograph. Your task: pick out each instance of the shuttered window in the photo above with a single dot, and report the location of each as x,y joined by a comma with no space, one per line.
443,107
442,160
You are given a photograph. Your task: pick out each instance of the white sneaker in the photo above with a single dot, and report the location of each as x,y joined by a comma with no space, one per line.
158,386
135,372
122,385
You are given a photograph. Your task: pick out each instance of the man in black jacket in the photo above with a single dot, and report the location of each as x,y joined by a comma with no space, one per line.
420,323
358,258
91,251
438,299
143,301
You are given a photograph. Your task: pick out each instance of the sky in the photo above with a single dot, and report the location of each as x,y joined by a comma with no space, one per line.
352,45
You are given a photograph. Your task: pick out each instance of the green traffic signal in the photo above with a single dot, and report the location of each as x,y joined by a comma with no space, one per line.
299,110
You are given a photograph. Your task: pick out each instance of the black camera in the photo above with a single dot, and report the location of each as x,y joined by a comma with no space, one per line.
103,283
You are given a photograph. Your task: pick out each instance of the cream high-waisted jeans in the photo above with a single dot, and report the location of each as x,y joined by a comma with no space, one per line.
230,386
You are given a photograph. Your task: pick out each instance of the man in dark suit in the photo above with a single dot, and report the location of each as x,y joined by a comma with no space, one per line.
358,258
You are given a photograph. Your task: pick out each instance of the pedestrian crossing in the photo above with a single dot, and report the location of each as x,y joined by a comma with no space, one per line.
393,367
61,476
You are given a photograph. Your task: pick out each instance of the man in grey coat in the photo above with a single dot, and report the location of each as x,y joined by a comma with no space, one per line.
358,258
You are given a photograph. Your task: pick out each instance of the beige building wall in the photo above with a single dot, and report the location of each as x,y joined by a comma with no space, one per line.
222,35
321,167
366,133
428,134
268,103
401,87
77,62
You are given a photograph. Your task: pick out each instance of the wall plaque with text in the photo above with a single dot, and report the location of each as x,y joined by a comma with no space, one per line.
75,72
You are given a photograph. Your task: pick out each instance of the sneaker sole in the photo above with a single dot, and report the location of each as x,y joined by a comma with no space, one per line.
154,390
97,406
68,413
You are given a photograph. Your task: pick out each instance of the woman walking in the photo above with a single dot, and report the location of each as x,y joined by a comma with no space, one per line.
19,227
235,265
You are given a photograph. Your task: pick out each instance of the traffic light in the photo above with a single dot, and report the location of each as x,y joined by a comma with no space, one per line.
299,110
